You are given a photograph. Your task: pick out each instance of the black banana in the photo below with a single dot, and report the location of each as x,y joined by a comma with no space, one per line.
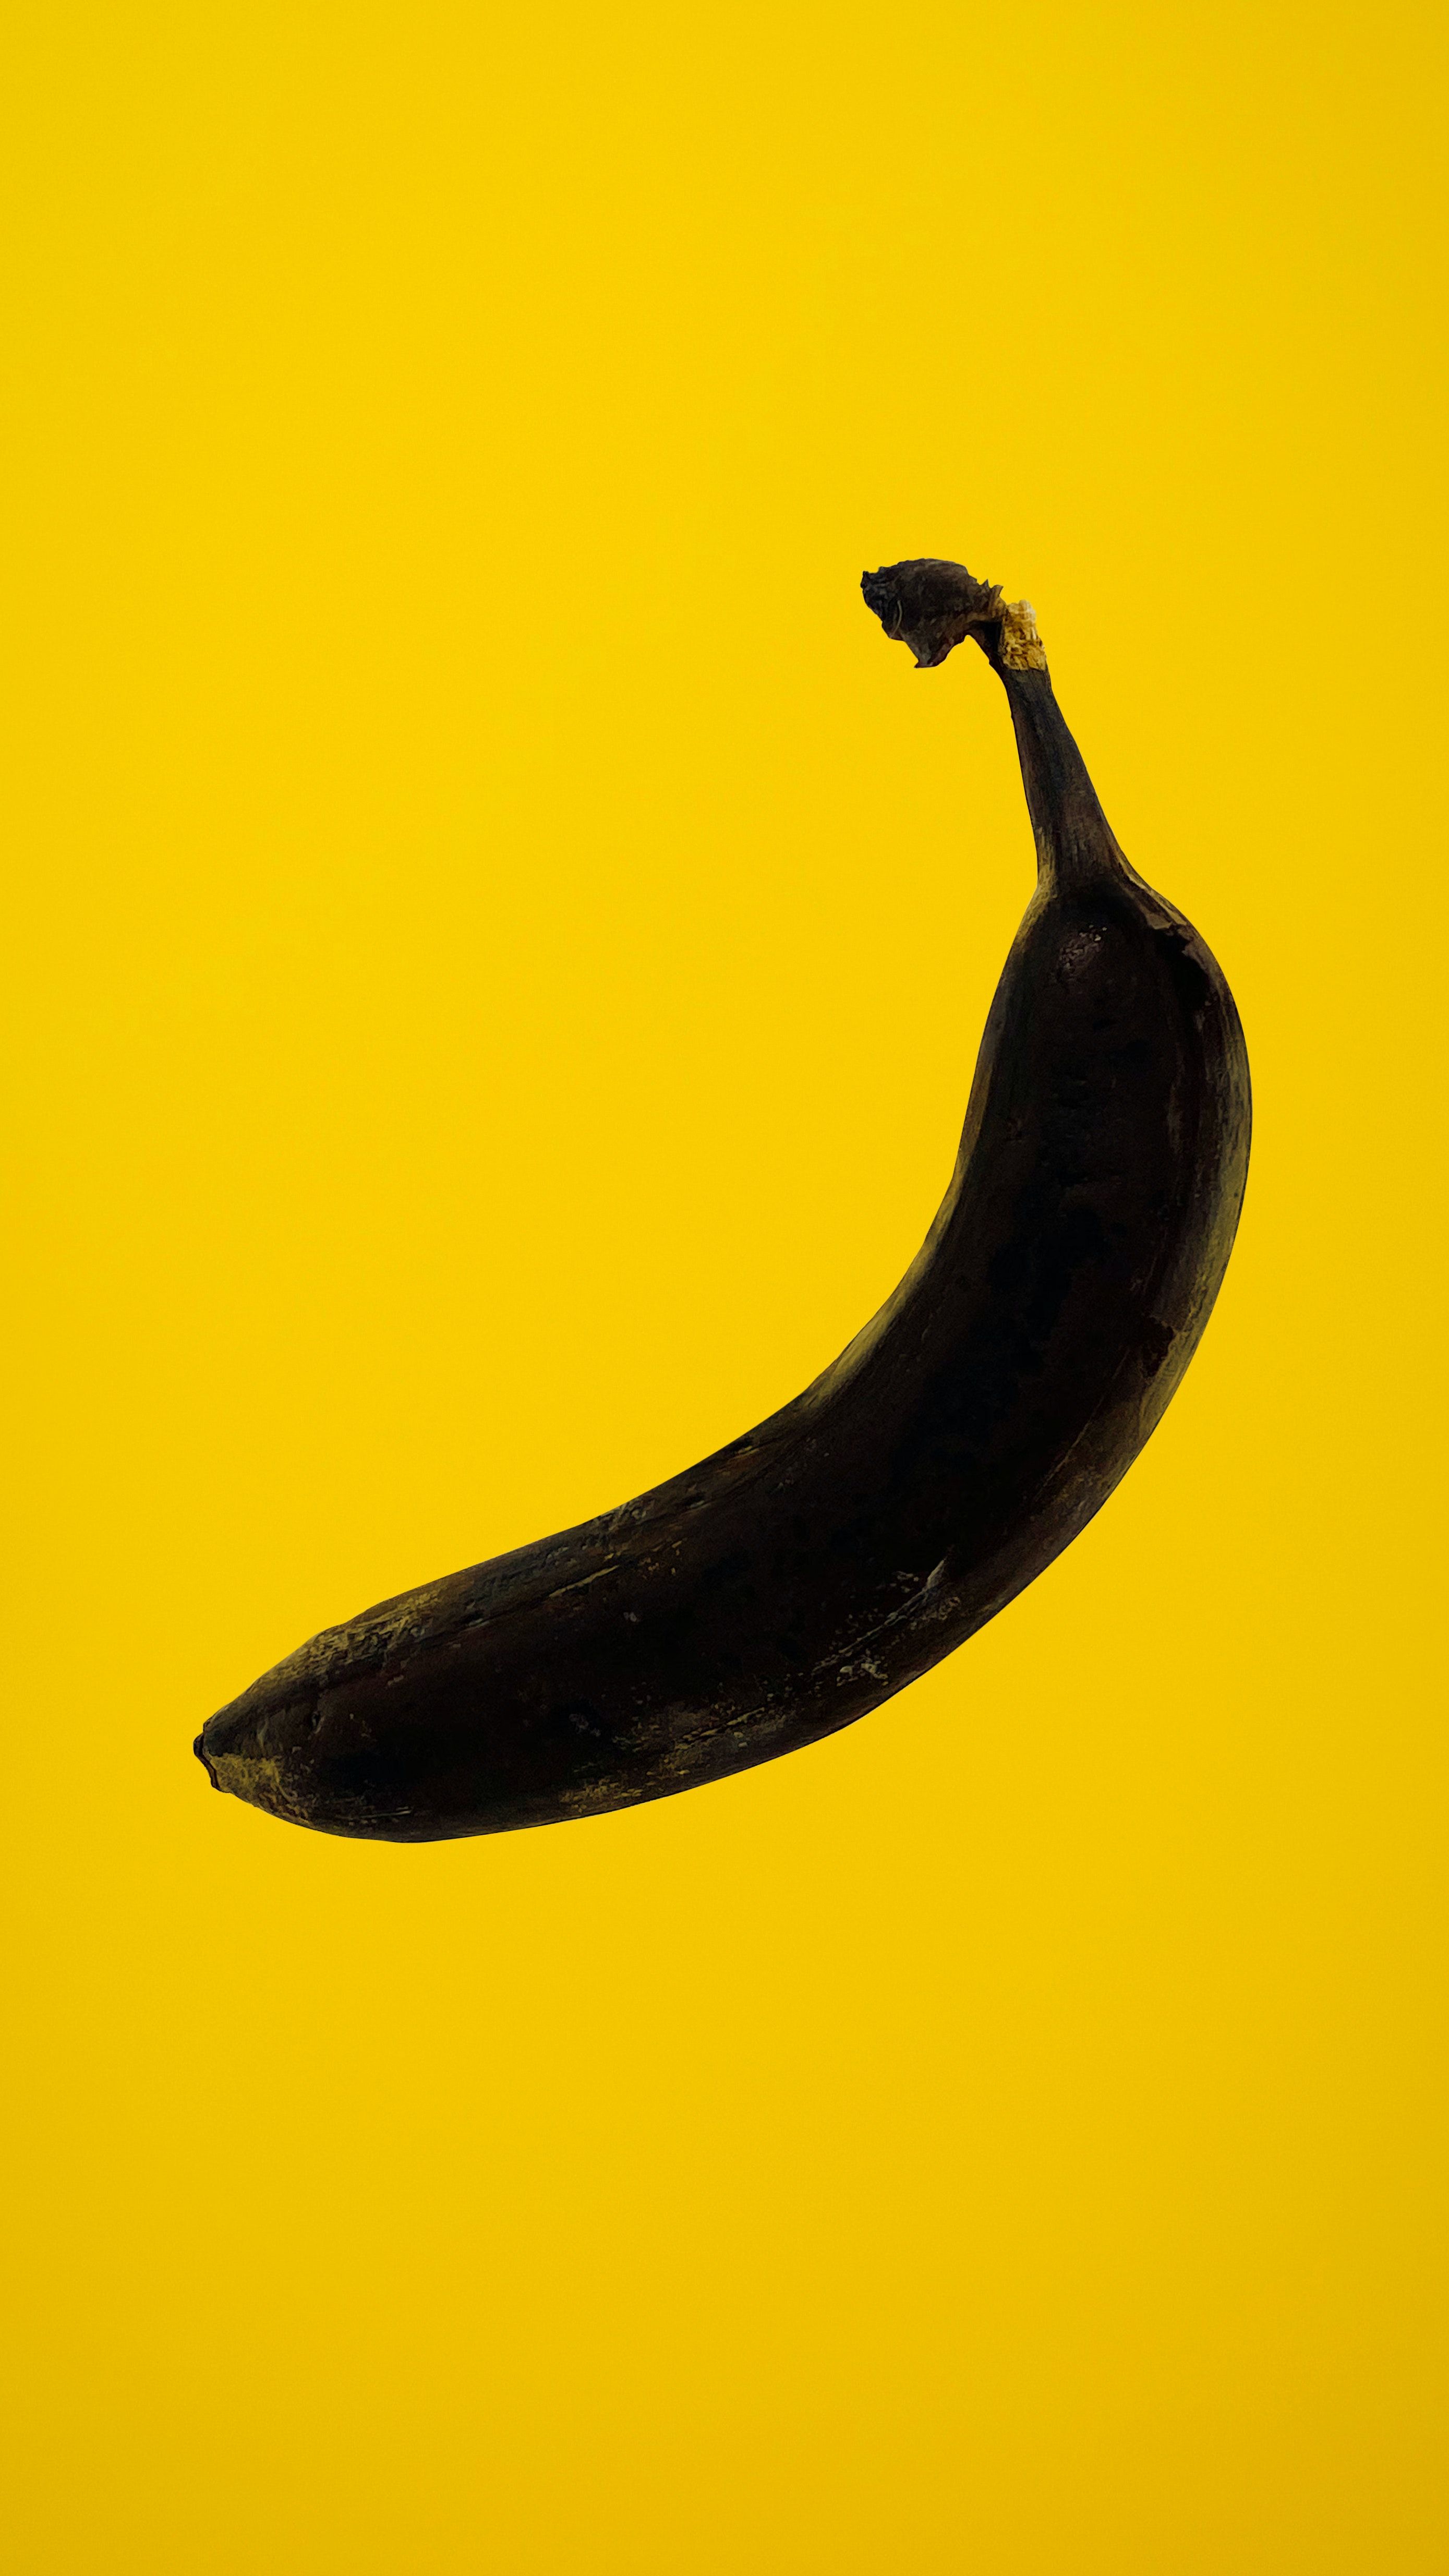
796,1579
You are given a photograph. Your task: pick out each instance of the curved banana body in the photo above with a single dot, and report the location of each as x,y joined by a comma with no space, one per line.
790,1583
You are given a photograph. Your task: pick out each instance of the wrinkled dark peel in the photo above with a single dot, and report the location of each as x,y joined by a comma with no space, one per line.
930,605
798,1578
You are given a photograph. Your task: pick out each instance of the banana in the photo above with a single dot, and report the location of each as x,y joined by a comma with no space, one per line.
793,1581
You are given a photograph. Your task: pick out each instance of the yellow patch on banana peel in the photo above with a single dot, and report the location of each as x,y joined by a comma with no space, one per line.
1021,646
257,1777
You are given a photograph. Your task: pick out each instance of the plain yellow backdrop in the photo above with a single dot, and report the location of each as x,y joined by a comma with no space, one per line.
496,948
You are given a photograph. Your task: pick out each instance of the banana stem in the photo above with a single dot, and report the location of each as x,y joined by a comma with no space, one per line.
932,606
1074,840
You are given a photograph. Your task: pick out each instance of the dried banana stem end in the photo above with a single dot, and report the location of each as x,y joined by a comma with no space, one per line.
933,606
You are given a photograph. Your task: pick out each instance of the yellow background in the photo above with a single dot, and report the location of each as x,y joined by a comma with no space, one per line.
496,948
